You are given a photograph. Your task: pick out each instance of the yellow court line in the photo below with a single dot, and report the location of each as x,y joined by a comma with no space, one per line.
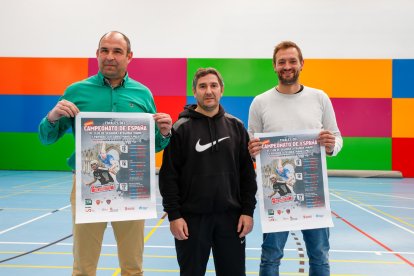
47,266
36,266
32,209
160,256
50,192
14,194
152,270
31,192
247,258
160,221
381,212
407,218
162,270
41,181
55,253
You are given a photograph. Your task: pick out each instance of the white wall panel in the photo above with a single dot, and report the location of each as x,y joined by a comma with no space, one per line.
214,28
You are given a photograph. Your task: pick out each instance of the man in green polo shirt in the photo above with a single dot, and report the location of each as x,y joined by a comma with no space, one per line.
111,90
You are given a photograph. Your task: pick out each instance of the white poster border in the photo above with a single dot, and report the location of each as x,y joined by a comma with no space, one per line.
292,224
136,208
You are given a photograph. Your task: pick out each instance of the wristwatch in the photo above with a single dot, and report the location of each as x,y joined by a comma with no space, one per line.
166,136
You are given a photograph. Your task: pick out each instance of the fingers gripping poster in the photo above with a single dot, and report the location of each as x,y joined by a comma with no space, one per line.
292,182
115,167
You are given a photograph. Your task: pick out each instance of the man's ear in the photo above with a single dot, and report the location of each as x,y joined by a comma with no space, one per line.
129,56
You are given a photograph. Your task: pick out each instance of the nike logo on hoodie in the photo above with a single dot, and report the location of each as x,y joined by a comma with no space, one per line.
201,148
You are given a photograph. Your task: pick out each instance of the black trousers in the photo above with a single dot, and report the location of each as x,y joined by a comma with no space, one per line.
216,232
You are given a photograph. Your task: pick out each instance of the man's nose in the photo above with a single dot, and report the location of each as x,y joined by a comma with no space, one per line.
110,56
288,66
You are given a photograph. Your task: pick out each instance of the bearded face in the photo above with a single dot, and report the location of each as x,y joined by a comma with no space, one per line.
288,66
288,76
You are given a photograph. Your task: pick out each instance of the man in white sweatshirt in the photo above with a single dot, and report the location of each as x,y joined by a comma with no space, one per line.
291,106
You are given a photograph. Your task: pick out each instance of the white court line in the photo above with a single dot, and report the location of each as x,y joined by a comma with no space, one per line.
32,220
372,213
378,194
375,252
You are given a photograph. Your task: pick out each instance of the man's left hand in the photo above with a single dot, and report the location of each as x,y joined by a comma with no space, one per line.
164,122
245,225
327,139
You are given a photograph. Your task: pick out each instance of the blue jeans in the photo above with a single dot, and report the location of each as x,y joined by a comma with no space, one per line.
317,248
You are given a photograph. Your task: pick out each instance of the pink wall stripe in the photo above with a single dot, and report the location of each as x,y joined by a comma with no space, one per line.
361,117
164,77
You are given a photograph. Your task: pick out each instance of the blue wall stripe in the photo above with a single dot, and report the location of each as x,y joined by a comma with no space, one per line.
236,106
402,78
23,113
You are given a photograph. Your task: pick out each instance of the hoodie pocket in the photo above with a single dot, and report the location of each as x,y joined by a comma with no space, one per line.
212,193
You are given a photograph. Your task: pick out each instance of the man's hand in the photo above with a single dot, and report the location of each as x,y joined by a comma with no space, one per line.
255,146
179,229
63,108
245,225
164,122
327,139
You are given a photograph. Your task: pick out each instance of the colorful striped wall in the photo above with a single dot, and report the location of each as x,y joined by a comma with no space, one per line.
373,100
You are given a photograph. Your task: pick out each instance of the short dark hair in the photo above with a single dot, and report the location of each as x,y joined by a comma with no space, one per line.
202,72
128,42
285,45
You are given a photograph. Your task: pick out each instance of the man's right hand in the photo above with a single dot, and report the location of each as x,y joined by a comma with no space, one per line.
255,146
179,229
63,108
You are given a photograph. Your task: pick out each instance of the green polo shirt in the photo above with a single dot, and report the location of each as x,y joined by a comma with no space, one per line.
94,94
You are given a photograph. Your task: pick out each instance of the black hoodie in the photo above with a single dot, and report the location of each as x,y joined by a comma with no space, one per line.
207,168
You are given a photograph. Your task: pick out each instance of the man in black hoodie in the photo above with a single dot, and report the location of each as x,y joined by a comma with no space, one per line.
208,183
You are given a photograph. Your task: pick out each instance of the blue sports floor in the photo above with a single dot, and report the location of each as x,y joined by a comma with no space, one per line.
373,233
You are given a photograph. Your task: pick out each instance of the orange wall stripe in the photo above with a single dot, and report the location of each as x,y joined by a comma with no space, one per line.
158,159
402,111
40,76
349,78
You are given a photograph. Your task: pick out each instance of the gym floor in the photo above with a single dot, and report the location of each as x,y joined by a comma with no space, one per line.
373,232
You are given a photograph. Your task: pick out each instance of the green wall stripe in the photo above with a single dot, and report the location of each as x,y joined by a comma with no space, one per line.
25,152
242,77
363,154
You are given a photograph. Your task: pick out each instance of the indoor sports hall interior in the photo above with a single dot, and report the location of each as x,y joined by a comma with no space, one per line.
368,77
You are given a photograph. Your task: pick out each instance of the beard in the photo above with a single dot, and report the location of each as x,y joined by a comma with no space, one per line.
207,108
288,81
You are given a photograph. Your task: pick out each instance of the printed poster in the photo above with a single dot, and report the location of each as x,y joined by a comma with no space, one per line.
115,167
292,182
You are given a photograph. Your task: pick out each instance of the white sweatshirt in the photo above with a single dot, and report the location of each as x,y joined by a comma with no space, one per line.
309,109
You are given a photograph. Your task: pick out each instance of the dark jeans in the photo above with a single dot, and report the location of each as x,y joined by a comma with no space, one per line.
317,248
